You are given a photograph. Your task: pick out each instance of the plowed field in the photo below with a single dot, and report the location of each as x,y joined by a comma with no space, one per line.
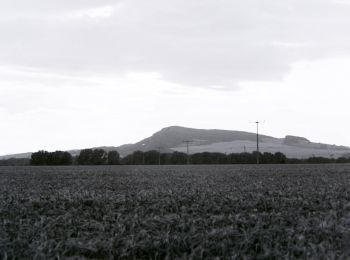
157,212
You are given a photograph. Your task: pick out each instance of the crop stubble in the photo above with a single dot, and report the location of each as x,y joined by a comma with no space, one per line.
156,212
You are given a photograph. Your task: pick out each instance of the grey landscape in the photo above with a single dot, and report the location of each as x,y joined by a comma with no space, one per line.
174,129
172,138
175,212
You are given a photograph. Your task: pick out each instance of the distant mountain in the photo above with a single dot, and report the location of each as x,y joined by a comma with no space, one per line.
172,139
16,156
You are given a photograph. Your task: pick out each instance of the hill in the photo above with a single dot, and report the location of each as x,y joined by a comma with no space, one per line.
172,139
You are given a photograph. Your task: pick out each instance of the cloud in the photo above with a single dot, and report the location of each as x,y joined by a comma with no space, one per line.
196,43
44,110
94,13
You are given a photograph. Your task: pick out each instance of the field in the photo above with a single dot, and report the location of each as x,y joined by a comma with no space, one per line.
157,212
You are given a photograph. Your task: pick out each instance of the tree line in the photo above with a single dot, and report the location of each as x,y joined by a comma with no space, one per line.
86,157
15,162
54,158
154,157
102,157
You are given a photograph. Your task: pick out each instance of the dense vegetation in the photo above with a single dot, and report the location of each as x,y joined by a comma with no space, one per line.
177,158
86,157
101,157
158,212
54,158
15,162
154,157
97,157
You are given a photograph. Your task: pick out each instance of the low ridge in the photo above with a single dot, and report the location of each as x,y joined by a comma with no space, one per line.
170,139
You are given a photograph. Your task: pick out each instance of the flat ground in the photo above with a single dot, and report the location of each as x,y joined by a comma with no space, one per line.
269,211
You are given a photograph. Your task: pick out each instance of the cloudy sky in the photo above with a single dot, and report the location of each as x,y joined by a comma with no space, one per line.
84,73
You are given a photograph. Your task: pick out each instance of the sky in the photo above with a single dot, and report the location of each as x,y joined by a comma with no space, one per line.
88,73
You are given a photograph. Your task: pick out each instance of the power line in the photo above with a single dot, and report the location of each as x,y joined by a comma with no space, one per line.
188,150
257,141
143,154
159,149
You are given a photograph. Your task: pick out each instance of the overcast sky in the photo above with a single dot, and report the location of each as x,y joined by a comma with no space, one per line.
85,73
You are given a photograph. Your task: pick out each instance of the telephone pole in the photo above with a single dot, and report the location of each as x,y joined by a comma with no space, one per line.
159,148
143,154
188,150
257,142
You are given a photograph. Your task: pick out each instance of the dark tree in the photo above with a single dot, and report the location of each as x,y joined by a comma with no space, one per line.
66,158
85,157
151,157
54,158
178,158
138,157
99,157
92,157
343,160
39,158
280,158
267,158
113,158
319,160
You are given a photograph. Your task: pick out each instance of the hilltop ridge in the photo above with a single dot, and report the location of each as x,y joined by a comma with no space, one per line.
170,139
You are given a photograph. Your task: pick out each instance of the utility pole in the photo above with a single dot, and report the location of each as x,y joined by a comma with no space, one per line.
159,148
257,142
188,150
143,154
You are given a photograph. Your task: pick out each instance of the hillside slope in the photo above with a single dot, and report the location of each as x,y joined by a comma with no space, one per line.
172,139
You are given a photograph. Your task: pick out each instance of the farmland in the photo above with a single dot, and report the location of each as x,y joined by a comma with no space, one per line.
157,212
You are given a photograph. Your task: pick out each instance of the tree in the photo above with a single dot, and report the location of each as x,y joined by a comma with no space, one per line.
92,157
113,158
99,157
280,158
54,158
85,157
152,157
66,158
138,157
343,160
178,158
39,158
